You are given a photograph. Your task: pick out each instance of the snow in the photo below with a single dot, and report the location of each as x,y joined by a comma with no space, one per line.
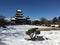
55,25
15,35
18,10
13,19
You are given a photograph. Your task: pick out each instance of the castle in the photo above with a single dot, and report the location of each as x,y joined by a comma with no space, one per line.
18,18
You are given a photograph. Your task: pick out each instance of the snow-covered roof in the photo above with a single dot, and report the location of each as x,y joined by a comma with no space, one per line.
13,18
19,10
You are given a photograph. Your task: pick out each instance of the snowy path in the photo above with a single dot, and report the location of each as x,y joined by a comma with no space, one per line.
16,36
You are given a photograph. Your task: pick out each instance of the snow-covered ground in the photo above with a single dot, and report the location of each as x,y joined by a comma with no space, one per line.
16,36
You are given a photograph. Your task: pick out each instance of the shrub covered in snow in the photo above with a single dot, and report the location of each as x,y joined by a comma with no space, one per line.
31,31
38,32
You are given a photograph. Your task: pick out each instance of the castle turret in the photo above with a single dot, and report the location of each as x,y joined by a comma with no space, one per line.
28,20
13,20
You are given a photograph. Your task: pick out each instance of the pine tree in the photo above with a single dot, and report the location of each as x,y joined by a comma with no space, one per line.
54,20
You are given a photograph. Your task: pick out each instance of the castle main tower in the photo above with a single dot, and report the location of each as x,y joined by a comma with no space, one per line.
19,17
